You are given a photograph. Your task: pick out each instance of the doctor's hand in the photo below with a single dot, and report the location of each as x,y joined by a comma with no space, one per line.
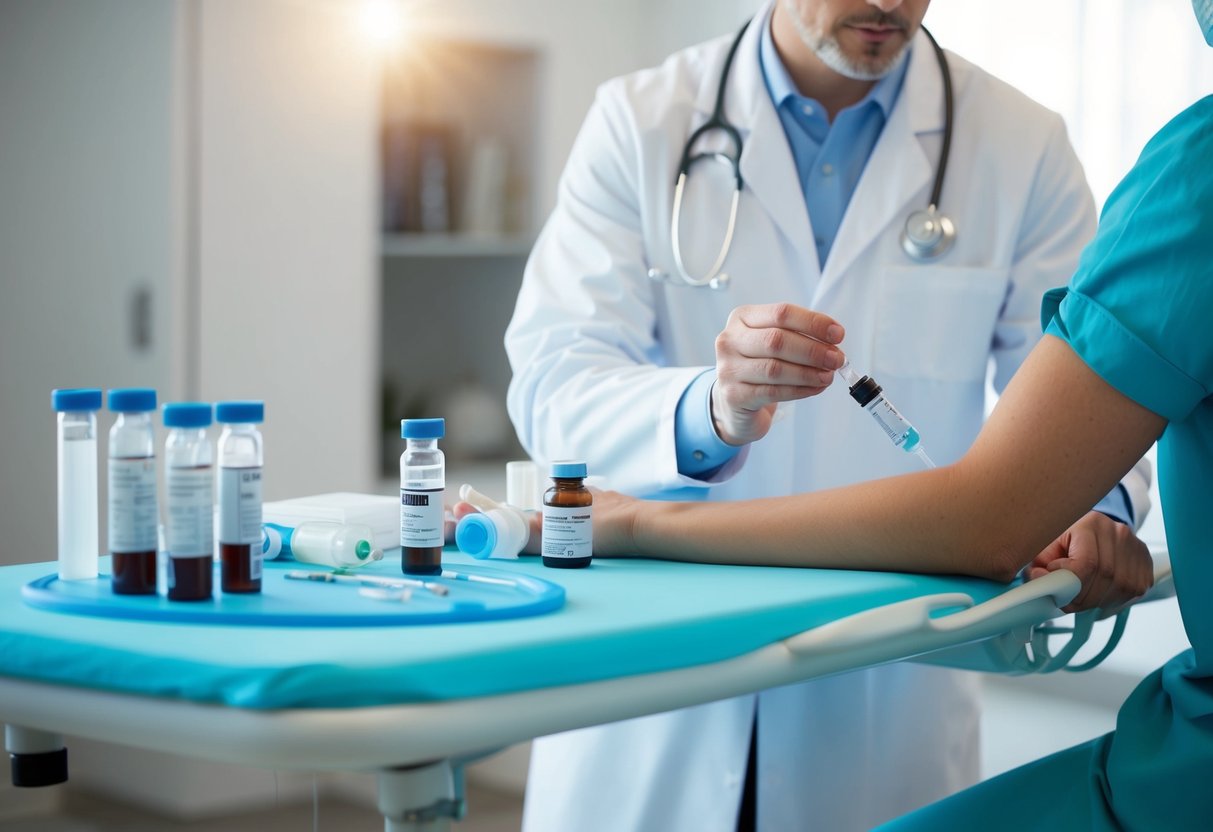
769,354
1111,561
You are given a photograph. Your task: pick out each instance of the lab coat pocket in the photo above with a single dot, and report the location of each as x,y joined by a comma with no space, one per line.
937,323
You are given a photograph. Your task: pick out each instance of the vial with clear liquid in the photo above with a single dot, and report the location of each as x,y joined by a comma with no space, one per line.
239,494
77,490
422,486
134,517
189,480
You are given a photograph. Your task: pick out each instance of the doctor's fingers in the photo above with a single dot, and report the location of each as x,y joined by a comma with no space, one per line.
772,371
788,316
746,344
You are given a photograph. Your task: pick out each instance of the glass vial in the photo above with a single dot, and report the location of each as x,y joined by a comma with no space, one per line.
239,490
568,518
77,461
422,485
189,480
133,515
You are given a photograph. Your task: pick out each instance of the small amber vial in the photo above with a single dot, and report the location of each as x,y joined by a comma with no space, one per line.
568,518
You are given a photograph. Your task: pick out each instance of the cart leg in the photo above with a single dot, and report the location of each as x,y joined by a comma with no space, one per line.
38,758
419,798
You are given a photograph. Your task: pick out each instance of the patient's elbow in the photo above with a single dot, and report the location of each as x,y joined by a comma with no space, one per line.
1002,568
1004,553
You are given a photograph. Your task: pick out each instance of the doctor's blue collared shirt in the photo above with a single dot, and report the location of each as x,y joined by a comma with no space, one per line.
829,158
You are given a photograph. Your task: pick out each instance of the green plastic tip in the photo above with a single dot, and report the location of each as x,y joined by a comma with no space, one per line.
363,549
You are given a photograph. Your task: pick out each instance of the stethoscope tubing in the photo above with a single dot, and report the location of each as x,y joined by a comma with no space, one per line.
940,226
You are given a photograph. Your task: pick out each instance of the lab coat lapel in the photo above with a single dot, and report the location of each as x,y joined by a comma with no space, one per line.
770,173
767,166
898,168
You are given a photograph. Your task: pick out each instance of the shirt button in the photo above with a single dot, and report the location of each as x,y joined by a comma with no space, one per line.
827,170
699,456
807,109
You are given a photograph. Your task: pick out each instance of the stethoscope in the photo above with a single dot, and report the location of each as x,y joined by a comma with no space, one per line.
927,233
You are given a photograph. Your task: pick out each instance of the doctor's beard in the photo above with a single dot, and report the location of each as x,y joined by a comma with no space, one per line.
826,46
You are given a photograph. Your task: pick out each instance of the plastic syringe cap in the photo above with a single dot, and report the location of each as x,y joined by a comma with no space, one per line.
865,390
132,399
240,413
422,428
476,535
187,415
78,400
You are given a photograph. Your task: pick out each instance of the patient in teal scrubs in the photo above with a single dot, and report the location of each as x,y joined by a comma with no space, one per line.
1139,312
1127,360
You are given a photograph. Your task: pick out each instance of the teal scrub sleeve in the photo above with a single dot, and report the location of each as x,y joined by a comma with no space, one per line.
1139,309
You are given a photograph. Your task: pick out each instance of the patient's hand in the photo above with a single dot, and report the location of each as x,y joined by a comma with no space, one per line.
1111,561
614,523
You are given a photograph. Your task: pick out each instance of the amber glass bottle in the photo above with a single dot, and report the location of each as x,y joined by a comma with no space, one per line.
568,516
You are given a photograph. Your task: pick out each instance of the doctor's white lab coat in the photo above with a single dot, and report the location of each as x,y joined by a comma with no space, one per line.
601,355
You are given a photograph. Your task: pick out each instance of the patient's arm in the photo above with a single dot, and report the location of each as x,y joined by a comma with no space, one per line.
1059,439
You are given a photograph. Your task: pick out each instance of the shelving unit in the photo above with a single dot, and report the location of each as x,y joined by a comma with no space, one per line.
456,244
459,171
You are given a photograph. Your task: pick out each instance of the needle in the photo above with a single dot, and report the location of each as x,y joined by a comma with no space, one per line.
365,580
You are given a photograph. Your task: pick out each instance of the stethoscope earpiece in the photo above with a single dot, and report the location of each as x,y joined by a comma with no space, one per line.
927,234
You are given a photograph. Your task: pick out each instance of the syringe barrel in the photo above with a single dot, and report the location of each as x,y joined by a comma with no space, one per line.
900,432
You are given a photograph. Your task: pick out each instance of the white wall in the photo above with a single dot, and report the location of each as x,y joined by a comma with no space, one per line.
288,242
88,215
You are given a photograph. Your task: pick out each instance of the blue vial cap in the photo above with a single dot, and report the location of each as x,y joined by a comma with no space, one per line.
240,413
476,536
568,469
76,400
187,415
132,399
422,428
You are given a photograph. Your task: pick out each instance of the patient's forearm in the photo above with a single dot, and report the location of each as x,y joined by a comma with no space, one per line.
914,529
1040,463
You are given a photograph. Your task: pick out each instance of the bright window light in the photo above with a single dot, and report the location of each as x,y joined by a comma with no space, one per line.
382,22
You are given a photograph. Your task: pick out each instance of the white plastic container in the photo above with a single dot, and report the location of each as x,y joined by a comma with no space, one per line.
325,543
497,531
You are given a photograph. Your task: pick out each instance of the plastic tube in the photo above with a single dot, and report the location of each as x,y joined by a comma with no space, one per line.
322,542
498,531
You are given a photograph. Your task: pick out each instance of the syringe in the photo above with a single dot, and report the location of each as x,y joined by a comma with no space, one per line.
869,395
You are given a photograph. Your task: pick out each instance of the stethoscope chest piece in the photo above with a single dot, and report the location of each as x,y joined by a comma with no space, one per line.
927,234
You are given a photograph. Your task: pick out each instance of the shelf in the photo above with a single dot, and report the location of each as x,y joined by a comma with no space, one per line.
456,245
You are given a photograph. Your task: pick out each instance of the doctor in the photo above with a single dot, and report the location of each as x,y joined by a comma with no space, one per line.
625,355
